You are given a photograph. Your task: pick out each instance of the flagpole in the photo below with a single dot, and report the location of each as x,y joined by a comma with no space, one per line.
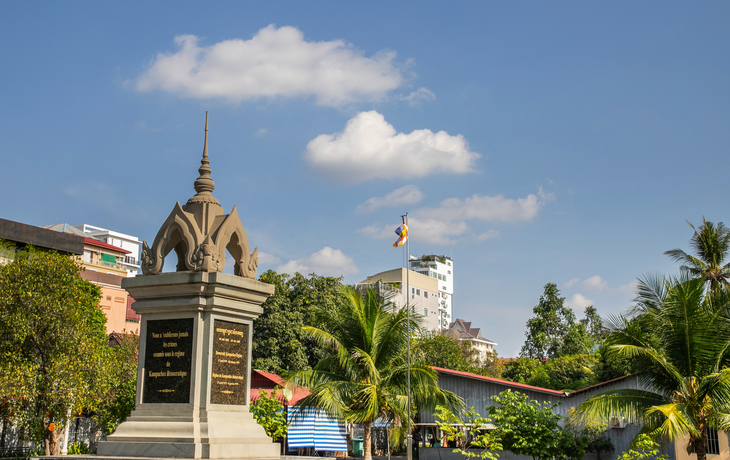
409,436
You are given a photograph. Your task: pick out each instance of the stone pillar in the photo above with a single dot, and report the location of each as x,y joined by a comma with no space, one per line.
193,380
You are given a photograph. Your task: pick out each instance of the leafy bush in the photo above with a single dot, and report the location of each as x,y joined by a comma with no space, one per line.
78,448
269,413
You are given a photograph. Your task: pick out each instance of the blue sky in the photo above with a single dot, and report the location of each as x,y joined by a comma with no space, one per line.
534,142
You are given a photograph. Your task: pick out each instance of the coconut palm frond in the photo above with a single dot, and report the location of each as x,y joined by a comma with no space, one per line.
677,422
716,387
366,378
628,403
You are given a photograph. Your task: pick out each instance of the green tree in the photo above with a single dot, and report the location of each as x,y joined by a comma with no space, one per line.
279,343
363,375
269,413
436,349
553,331
711,245
52,341
471,435
324,292
593,434
530,428
680,340
611,366
116,404
643,448
277,336
566,373
593,324
520,370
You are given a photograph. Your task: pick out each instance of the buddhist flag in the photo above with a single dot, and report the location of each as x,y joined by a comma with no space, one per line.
402,232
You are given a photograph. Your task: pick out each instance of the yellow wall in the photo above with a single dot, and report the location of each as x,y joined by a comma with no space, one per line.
680,446
114,305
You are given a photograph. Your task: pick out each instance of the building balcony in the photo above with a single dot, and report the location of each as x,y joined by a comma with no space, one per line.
104,263
129,260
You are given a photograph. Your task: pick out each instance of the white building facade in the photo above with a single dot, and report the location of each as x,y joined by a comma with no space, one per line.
442,269
121,240
423,296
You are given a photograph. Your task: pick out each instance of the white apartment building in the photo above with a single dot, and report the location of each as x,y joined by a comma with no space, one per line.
424,295
121,240
440,268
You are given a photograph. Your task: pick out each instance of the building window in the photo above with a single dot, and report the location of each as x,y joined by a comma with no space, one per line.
713,443
444,277
425,294
425,312
448,263
418,292
449,271
413,290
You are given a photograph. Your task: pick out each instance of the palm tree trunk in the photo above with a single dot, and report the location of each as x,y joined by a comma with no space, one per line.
701,448
367,437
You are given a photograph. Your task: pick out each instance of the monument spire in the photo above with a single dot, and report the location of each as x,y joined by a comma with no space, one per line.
204,185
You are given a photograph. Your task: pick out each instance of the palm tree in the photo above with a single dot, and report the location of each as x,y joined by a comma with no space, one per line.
678,336
711,244
364,378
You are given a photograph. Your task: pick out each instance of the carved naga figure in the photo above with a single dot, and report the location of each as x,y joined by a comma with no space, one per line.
200,233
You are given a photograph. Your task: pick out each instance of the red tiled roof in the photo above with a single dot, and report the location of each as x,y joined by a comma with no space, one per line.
101,244
499,381
266,381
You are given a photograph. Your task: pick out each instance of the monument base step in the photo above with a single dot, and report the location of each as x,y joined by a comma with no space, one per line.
112,457
188,450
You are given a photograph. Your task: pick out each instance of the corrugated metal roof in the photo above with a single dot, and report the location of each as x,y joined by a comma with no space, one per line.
500,381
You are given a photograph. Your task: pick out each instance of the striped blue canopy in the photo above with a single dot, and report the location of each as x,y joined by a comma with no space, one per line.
315,428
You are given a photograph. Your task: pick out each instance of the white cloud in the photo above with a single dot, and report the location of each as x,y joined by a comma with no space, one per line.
378,232
268,259
369,147
260,132
418,96
629,288
402,196
487,208
488,235
595,283
275,62
428,231
435,230
570,283
578,302
442,225
325,262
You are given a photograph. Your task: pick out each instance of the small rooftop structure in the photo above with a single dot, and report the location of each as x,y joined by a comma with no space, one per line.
462,330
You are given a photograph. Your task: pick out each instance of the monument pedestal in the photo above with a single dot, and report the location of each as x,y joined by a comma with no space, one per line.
193,380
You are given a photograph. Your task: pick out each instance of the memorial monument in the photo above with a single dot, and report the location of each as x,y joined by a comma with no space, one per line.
193,379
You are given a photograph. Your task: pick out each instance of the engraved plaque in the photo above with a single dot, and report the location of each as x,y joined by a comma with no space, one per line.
168,361
230,363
